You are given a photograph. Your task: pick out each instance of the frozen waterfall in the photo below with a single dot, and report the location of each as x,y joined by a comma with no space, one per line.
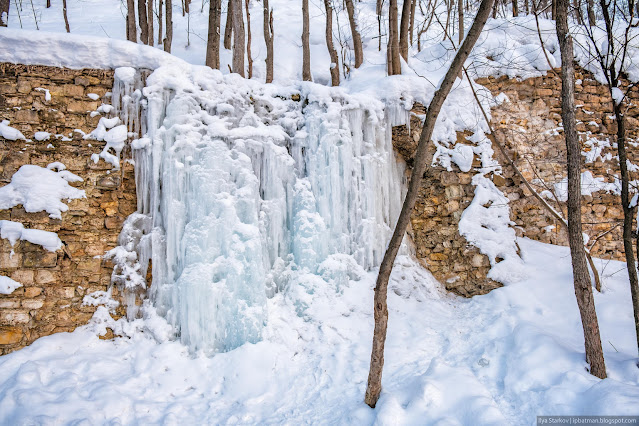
247,183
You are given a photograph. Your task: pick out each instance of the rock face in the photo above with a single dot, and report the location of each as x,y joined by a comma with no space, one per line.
54,284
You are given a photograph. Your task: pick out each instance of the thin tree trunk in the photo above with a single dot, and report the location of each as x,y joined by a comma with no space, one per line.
421,160
131,28
628,213
268,40
48,4
248,40
581,279
150,22
394,63
329,44
213,41
411,28
238,38
64,14
460,12
403,29
228,29
187,5
515,8
591,13
495,6
169,26
160,22
306,50
357,39
144,28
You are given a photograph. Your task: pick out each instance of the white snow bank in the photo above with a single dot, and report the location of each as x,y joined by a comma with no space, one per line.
14,231
7,285
502,358
113,133
38,189
78,51
8,132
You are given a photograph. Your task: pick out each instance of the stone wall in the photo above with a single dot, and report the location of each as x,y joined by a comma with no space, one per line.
54,284
530,126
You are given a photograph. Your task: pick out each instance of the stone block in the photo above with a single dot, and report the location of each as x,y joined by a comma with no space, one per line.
10,261
32,304
9,303
10,335
27,116
40,259
32,292
23,276
44,276
14,316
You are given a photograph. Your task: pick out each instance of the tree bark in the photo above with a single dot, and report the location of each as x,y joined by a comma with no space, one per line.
66,18
4,12
213,41
421,160
238,38
591,13
160,22
248,40
329,43
268,40
628,213
131,28
150,22
460,12
394,63
403,29
581,279
411,28
306,50
515,8
169,26
228,29
357,39
144,28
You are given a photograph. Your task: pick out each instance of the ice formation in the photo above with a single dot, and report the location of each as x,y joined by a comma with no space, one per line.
246,187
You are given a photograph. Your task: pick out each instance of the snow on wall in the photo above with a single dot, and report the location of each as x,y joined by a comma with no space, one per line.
248,190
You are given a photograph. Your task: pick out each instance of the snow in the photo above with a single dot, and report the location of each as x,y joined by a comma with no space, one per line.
14,231
39,189
502,358
47,93
589,185
10,133
41,136
7,285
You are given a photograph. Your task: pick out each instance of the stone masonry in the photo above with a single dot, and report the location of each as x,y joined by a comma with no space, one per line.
54,284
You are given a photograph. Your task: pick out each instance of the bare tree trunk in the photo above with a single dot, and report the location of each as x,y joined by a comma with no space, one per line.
394,64
421,160
515,9
306,50
4,12
591,13
357,39
378,10
583,288
187,5
460,12
268,40
150,22
213,41
238,38
495,6
403,29
248,40
169,26
48,4
160,22
64,14
228,29
628,213
329,43
144,28
411,27
131,28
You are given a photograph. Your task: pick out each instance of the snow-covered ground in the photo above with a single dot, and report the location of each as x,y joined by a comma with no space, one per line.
503,358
